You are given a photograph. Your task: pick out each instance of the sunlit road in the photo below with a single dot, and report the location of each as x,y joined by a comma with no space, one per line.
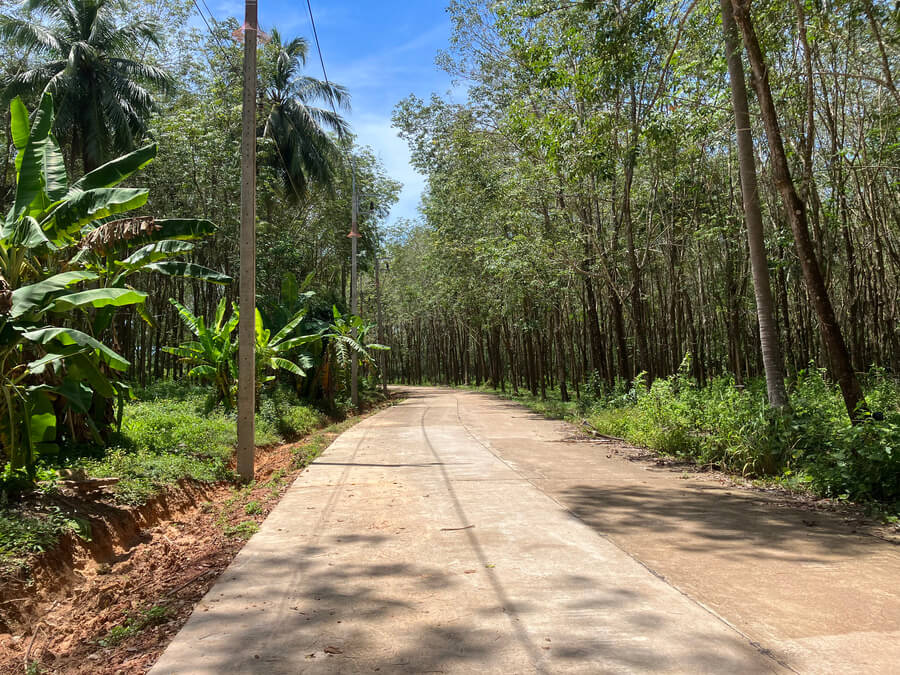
459,533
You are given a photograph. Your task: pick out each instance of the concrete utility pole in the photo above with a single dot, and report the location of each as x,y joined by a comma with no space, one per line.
246,422
354,289
381,356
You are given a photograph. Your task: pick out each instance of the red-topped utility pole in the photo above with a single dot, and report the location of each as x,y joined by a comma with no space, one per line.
246,423
354,288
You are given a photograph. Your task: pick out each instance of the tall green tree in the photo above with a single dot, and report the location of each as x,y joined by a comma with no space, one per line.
304,151
90,62
773,361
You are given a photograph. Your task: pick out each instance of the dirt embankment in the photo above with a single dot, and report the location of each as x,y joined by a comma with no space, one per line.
112,604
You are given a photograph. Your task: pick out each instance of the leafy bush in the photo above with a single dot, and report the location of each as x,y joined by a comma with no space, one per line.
733,427
24,533
298,421
21,533
290,418
167,435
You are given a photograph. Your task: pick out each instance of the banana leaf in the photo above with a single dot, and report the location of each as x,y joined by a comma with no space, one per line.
98,298
114,172
177,268
34,296
66,337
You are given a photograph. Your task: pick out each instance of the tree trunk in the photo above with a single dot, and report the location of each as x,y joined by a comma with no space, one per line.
773,362
796,210
560,359
593,321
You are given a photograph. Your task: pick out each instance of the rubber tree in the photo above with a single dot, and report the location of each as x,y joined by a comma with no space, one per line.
832,337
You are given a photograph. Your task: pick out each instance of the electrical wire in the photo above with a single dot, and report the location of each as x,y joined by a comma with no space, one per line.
212,33
312,22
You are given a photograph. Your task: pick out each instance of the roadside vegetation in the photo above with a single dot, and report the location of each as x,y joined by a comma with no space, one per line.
626,184
813,446
118,311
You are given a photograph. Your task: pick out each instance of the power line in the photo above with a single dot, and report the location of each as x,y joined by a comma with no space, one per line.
348,150
212,34
312,21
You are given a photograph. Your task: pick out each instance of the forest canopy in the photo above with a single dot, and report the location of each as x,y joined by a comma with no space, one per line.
585,224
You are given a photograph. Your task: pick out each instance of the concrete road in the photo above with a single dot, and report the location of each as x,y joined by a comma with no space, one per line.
459,533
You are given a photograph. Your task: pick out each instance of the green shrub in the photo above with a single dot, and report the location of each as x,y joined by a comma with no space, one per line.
168,434
23,534
298,421
134,625
733,427
289,418
243,530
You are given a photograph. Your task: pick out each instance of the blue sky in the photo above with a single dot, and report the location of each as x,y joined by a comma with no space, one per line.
382,50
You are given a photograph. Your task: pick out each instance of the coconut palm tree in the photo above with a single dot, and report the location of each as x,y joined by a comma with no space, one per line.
84,57
304,151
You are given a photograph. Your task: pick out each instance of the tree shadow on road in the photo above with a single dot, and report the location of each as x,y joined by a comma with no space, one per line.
709,519
384,617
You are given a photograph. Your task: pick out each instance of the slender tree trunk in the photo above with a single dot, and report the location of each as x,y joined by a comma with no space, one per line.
796,210
773,362
596,339
561,359
621,344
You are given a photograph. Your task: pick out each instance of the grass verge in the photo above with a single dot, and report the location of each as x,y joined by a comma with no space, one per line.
168,435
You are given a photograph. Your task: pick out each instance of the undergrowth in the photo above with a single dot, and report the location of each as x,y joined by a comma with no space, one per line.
811,447
813,444
167,439
169,433
24,533
134,624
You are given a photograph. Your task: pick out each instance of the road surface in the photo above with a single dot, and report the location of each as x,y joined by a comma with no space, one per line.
460,533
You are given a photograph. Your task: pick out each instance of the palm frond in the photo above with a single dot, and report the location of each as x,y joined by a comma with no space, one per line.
28,35
310,88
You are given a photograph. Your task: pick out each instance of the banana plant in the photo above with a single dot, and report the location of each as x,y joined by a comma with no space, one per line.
213,355
60,271
272,351
341,334
341,347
